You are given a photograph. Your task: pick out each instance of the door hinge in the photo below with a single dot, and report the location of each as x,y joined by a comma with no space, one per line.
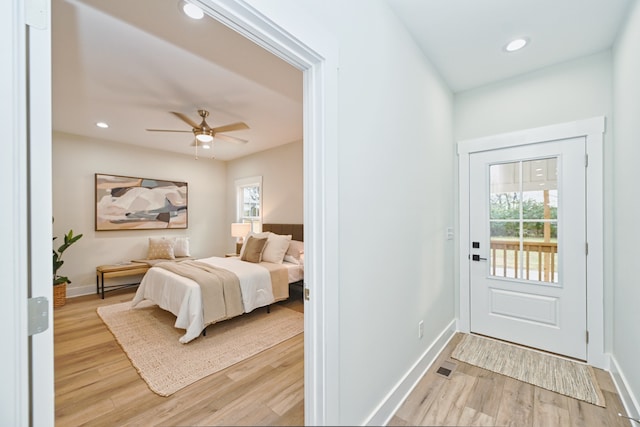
586,160
587,337
586,248
306,294
38,315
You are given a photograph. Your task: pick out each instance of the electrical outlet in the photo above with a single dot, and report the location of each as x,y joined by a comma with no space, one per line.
420,329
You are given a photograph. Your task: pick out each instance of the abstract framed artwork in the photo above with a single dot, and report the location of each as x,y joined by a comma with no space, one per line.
130,203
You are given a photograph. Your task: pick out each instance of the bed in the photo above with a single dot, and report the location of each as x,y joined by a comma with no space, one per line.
175,286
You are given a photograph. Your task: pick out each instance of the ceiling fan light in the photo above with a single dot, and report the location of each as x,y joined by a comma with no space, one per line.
204,137
191,10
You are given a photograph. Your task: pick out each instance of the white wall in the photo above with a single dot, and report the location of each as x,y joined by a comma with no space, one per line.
395,157
569,91
573,90
626,126
282,192
75,161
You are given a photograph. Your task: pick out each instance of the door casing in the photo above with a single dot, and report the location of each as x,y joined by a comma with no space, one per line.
593,130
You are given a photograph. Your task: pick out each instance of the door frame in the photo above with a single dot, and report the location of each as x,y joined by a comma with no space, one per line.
289,33
593,131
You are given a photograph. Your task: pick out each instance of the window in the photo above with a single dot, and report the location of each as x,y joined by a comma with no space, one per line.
249,202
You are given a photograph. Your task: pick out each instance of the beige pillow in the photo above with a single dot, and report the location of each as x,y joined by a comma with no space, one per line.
160,248
251,233
277,245
253,249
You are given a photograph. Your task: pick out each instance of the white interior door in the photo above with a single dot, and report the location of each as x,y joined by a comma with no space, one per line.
527,226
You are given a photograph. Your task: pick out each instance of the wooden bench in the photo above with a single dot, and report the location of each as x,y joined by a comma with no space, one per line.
104,272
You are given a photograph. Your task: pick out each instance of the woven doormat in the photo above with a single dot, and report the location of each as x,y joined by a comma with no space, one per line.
544,370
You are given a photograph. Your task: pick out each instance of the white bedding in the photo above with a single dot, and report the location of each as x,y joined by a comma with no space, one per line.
182,296
296,271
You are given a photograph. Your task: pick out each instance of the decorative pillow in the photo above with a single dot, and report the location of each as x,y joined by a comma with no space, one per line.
277,245
253,248
181,247
160,248
291,259
296,248
257,235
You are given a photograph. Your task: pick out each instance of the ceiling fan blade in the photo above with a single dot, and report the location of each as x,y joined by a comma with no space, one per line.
169,130
231,127
185,119
230,138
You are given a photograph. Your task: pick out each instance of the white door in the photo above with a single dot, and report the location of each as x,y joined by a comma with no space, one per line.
527,224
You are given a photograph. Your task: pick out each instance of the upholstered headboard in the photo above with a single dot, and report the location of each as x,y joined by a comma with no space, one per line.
296,230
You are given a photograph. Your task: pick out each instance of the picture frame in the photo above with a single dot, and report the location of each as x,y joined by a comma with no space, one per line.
132,203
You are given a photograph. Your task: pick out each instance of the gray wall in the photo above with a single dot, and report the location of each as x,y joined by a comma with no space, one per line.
626,234
395,173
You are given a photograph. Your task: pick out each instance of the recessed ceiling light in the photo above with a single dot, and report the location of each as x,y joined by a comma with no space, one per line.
191,10
516,44
102,125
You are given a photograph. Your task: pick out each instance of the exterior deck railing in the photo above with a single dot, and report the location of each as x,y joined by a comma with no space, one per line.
539,257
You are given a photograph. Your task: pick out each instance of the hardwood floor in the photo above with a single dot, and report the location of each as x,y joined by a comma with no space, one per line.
471,396
96,385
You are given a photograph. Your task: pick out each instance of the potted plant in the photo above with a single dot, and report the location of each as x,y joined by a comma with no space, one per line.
60,282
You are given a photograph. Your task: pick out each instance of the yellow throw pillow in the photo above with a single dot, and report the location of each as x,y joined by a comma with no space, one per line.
253,249
160,248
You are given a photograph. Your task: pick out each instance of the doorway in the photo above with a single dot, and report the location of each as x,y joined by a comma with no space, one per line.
525,275
528,259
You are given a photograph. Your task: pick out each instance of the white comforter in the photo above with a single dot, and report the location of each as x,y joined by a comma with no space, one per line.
182,296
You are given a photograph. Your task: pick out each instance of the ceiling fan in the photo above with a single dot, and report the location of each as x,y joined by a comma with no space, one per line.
204,133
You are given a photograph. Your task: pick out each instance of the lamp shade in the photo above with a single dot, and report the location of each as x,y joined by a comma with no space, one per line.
240,229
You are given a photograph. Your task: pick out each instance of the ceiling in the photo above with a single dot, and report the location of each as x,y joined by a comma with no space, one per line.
464,39
118,62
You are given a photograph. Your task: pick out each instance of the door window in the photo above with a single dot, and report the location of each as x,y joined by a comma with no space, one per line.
523,220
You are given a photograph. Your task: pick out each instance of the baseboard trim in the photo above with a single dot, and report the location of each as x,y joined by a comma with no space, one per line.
78,291
628,399
396,397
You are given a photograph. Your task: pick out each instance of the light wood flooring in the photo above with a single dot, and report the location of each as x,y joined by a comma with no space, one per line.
96,385
471,396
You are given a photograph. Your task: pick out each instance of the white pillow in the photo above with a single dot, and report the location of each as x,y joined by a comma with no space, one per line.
296,248
181,247
277,245
256,235
291,259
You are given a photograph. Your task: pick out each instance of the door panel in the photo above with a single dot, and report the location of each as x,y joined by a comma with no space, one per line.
527,230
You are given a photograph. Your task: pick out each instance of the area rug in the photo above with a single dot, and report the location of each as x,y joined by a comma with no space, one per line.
541,369
147,336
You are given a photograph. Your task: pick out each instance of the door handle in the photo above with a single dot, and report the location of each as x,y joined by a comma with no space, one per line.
477,258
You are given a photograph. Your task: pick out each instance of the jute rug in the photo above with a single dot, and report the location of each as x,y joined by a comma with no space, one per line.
150,341
541,369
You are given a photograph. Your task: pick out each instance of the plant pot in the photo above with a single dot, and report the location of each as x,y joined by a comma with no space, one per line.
59,295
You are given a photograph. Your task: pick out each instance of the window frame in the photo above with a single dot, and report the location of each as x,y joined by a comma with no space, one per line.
241,184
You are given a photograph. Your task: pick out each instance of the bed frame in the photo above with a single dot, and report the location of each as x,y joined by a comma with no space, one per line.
296,230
